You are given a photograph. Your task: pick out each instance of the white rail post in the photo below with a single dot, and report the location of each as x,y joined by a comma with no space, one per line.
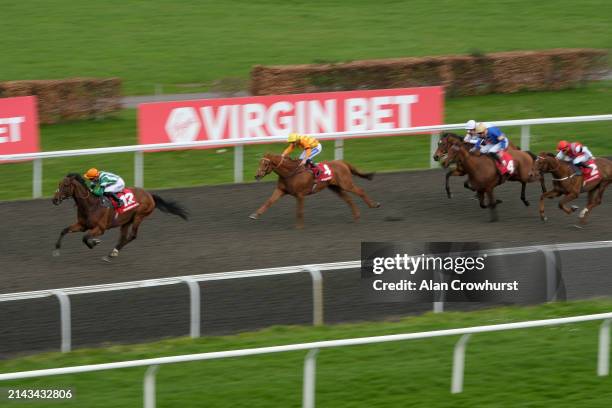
459,364
149,386
139,169
525,137
37,178
238,164
65,320
439,296
317,295
194,301
433,146
603,356
551,275
339,149
310,377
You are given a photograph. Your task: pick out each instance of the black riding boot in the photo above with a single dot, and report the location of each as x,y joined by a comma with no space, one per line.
578,168
116,197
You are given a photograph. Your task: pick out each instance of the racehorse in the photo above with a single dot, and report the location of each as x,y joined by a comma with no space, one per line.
446,141
295,180
567,183
449,139
95,218
483,175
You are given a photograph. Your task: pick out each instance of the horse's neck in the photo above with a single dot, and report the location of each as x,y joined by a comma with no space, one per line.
283,170
84,199
562,170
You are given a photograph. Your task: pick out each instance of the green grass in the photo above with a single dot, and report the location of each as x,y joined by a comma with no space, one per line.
542,367
162,170
187,45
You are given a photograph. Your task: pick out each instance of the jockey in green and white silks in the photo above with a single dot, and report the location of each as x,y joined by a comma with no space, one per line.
104,182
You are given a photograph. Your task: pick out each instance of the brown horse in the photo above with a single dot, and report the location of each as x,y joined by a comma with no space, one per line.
297,181
450,139
483,175
570,185
95,218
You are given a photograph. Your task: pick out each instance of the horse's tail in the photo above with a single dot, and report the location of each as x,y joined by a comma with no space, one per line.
170,207
356,172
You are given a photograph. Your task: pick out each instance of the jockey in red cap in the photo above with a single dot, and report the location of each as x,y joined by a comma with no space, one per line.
575,153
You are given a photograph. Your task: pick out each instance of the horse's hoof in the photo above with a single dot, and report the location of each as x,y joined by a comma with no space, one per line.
377,205
56,252
526,203
114,253
254,216
95,241
544,218
575,208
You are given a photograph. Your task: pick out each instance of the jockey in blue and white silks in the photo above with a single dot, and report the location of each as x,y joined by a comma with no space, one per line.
495,140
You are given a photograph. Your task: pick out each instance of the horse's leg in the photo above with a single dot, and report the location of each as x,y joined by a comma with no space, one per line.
595,199
566,199
542,183
76,227
123,240
446,186
481,199
90,239
276,194
523,186
492,205
347,199
548,194
299,211
350,187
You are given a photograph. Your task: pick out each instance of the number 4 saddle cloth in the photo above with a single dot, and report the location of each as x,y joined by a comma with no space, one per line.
128,199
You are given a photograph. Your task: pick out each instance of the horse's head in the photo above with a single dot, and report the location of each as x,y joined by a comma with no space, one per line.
452,153
266,165
67,187
546,162
447,140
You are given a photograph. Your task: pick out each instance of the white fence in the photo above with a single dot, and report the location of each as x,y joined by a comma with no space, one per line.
239,144
309,382
314,270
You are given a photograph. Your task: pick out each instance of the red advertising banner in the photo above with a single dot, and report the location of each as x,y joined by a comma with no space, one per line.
18,125
279,115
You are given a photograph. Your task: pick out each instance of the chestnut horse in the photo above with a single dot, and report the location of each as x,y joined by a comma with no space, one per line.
297,181
483,175
567,183
95,218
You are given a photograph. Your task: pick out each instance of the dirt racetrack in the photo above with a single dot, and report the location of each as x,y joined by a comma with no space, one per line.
220,237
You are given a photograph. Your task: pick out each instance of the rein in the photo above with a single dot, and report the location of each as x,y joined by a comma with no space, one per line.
556,169
276,166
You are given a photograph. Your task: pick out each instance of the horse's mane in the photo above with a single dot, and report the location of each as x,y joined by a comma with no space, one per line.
551,155
77,177
287,159
453,136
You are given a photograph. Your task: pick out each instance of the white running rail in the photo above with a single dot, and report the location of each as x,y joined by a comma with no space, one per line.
239,144
63,295
309,383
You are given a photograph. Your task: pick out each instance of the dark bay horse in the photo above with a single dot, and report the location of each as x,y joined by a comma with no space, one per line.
451,139
94,218
483,175
446,141
297,181
570,185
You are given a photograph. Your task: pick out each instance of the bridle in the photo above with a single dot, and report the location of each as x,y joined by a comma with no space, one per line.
555,169
62,197
276,166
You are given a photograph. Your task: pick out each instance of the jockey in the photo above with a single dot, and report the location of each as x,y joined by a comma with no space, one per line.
496,140
105,183
311,147
575,153
470,136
